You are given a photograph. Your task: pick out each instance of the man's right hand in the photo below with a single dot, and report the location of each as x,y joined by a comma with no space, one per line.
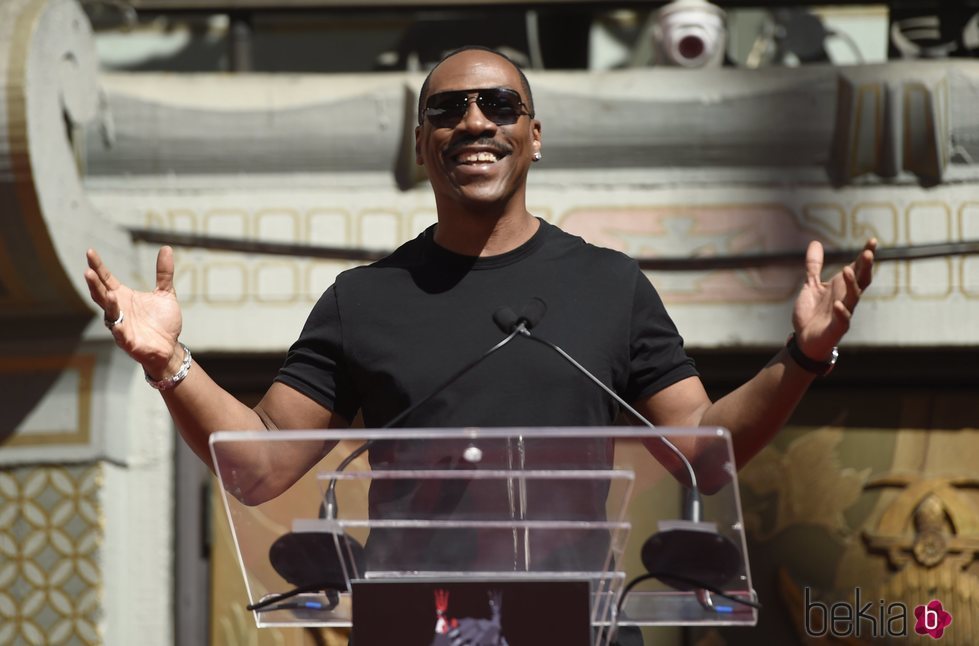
151,321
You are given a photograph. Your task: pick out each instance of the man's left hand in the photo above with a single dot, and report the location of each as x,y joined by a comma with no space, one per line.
823,310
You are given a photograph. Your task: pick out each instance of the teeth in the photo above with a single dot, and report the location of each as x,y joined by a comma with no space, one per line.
480,157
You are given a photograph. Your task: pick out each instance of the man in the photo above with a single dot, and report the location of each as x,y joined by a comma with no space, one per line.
377,340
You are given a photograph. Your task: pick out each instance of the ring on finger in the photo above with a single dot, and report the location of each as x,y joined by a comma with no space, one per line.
111,324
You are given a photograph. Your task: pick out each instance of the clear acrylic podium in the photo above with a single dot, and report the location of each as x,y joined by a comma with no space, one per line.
589,503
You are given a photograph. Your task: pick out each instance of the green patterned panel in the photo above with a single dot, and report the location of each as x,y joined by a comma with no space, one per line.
50,531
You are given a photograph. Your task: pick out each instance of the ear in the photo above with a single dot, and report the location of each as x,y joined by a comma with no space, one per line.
535,133
418,147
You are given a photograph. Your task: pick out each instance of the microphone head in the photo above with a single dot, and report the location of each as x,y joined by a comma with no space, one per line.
692,554
533,312
505,319
311,558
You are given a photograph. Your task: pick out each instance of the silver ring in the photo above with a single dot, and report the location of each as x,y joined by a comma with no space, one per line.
111,324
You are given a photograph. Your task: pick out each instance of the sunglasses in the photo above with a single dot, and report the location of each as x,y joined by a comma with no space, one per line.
500,105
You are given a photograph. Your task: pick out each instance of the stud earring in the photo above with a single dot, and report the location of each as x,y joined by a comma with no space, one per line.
537,156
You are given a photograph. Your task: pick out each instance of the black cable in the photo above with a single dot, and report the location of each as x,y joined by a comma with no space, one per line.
700,585
660,263
282,596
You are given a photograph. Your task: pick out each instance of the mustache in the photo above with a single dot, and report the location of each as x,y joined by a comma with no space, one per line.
482,142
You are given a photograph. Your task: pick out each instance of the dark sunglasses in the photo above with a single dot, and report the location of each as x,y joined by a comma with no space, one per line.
500,105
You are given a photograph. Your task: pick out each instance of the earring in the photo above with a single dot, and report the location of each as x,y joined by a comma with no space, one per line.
537,156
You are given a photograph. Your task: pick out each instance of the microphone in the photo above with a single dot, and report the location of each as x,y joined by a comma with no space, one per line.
318,555
509,321
505,319
687,554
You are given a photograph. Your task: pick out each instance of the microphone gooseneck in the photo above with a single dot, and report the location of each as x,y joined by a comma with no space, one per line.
689,554
531,315
330,497
309,560
694,498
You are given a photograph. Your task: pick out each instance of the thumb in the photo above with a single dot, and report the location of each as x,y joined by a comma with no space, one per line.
164,269
814,261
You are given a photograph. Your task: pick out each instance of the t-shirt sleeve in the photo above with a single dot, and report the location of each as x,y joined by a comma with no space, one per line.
315,364
657,356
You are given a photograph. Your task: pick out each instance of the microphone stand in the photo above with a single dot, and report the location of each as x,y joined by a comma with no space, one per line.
330,498
691,536
694,499
330,510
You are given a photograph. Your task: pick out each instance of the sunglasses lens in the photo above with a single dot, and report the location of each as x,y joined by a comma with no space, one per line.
500,105
446,109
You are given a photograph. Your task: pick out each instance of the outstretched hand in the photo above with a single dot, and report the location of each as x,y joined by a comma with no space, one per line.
823,310
151,321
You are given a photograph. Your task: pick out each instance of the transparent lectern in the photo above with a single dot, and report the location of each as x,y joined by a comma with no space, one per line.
602,505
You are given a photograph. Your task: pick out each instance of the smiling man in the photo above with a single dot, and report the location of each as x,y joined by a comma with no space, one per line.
477,137
383,338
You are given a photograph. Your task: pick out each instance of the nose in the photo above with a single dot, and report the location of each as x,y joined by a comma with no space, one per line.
474,120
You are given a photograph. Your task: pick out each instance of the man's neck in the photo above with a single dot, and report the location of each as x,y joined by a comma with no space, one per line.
483,234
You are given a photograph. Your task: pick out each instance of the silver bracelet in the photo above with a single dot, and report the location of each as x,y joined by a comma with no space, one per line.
175,378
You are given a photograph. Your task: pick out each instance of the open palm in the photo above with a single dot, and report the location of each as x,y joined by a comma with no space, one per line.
823,310
151,320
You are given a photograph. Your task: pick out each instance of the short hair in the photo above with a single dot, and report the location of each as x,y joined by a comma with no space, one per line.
525,84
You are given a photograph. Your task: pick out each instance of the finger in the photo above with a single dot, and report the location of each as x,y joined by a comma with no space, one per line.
164,269
852,289
111,310
814,261
103,273
864,264
95,287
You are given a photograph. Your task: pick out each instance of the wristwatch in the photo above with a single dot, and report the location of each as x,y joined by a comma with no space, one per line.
819,368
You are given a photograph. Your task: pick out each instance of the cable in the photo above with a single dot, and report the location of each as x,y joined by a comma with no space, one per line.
660,263
689,581
331,594
852,44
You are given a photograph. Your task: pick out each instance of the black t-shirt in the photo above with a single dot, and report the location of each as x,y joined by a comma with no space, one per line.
388,334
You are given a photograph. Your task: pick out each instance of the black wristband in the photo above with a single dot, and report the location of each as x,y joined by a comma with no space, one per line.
820,368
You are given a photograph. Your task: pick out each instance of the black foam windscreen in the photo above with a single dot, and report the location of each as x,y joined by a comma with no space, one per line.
505,319
533,312
694,556
311,559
